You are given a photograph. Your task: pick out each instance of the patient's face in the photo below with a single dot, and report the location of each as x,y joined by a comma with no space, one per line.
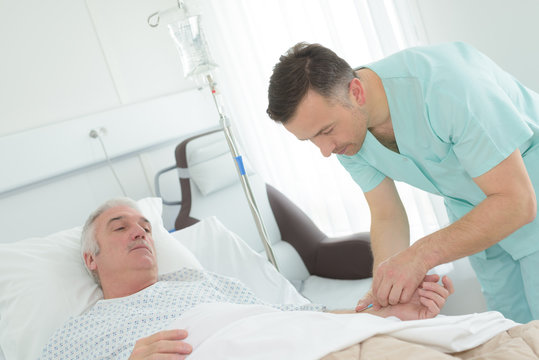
126,246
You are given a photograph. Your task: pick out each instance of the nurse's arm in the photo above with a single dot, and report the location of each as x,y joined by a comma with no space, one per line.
390,231
510,203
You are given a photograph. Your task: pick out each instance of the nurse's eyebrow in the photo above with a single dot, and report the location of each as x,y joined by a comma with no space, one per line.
318,133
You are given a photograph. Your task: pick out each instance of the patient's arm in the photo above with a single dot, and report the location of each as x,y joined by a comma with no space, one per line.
162,342
426,302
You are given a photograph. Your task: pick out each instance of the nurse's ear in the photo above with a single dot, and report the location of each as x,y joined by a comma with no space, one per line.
357,91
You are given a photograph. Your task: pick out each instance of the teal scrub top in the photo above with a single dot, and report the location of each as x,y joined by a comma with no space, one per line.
455,115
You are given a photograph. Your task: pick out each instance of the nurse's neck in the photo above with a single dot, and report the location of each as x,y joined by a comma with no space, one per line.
379,118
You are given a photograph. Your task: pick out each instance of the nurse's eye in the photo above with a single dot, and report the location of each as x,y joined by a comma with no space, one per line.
119,228
327,132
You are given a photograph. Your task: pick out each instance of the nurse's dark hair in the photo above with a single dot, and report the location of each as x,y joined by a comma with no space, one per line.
304,67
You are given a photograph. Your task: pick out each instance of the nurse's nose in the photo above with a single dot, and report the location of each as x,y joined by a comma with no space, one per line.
326,146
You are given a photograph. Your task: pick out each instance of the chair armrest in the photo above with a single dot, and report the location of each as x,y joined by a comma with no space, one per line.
157,185
345,257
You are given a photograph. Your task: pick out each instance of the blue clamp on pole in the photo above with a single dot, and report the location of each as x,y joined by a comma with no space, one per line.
240,164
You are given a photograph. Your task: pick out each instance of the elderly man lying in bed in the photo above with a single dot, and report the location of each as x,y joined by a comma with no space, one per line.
138,307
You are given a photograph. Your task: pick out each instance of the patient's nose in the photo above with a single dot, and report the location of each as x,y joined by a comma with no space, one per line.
138,232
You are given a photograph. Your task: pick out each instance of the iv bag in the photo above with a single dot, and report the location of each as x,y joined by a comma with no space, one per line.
192,46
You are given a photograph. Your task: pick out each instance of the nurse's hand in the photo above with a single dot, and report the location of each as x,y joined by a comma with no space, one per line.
369,298
397,278
426,302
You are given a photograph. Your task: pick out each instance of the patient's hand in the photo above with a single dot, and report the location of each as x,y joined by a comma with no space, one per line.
166,342
426,302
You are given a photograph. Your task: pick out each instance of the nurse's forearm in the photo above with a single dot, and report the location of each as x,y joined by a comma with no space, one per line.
390,232
389,237
492,220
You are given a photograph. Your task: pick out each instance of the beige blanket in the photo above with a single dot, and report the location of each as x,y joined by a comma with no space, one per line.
520,342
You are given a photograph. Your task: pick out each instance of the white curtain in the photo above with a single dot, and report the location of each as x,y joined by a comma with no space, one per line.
246,38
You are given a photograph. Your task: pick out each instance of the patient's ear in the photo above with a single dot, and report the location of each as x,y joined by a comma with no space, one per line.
89,260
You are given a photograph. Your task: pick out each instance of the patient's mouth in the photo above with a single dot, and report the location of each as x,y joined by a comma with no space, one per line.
139,245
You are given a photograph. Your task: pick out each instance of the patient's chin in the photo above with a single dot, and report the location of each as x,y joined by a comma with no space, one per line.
142,250
144,257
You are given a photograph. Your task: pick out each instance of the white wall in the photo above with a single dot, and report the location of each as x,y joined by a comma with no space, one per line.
62,59
506,31
68,66
53,176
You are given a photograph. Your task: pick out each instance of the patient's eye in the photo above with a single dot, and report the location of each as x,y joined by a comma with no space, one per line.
120,228
146,226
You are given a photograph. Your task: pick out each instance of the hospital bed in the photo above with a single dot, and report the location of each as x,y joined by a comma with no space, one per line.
43,282
335,271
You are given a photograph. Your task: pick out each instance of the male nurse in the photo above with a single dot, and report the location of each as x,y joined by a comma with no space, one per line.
445,119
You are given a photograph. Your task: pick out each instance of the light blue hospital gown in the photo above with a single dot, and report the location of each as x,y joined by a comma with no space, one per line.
456,115
110,329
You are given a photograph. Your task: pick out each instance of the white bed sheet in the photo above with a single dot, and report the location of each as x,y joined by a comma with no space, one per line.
230,331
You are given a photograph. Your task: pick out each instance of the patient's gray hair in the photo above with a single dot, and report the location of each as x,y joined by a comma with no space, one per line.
89,243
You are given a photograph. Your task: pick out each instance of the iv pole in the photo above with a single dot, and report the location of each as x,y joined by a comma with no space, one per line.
244,179
201,65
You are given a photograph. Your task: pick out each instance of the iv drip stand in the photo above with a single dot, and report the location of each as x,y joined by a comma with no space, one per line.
153,21
244,179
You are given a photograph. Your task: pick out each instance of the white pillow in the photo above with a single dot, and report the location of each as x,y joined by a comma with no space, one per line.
43,282
220,250
171,255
